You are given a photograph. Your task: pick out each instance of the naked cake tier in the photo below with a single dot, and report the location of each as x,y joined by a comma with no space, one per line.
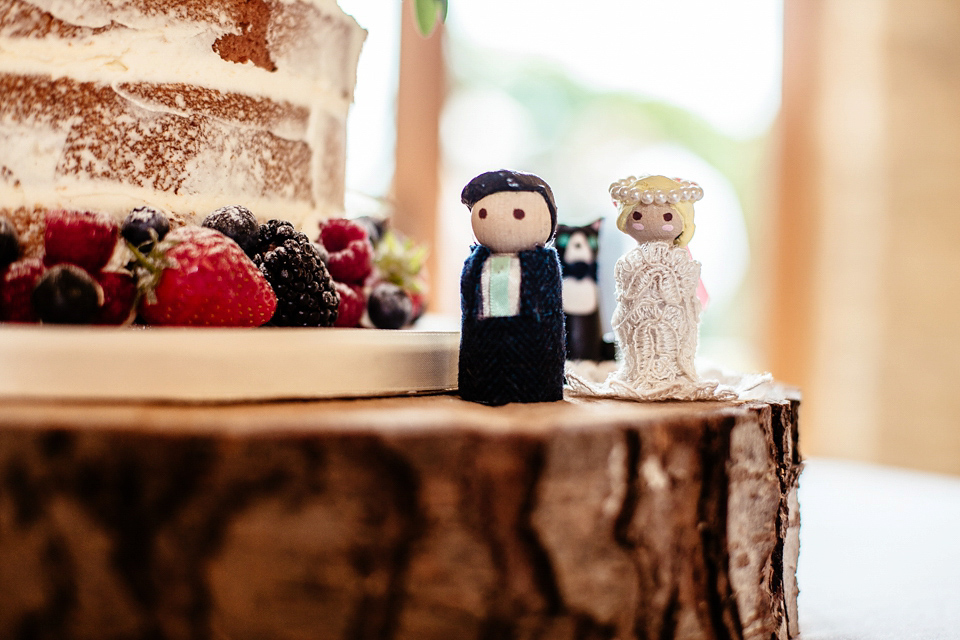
184,105
417,517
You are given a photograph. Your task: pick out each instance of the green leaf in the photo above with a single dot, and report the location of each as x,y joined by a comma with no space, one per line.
428,12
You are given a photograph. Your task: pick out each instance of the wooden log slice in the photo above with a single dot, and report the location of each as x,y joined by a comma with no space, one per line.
421,517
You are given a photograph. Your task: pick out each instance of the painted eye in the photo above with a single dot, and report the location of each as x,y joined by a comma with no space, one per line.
637,215
482,214
518,214
561,240
667,217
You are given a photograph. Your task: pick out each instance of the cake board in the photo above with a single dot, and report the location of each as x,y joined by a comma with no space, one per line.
222,365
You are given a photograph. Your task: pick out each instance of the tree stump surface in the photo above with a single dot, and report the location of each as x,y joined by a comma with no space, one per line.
417,517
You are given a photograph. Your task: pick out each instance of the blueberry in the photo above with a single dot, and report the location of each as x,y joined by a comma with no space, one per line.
375,227
140,227
9,244
389,306
66,294
237,223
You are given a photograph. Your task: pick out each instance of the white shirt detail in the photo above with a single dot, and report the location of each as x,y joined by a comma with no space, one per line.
513,290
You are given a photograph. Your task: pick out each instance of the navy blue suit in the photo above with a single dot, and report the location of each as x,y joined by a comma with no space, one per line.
514,358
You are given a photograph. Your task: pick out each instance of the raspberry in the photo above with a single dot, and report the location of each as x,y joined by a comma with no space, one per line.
79,237
17,287
419,302
292,265
119,297
349,248
351,304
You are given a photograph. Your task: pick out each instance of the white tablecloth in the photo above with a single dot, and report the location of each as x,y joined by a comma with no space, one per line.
879,553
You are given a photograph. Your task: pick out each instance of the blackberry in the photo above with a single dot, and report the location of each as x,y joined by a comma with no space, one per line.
292,264
237,223
143,226
9,244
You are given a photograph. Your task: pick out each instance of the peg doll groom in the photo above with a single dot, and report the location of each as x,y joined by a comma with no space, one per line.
512,339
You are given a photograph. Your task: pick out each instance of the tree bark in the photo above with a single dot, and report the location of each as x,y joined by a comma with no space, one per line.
399,518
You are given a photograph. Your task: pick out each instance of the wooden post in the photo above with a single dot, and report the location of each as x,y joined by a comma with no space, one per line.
420,97
791,316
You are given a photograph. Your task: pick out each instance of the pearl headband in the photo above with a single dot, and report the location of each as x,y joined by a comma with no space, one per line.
622,192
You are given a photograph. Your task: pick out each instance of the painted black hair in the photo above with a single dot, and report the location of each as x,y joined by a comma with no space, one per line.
505,180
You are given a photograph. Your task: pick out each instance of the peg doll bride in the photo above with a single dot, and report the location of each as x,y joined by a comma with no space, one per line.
656,321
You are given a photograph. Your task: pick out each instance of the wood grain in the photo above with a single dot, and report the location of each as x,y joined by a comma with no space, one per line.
422,517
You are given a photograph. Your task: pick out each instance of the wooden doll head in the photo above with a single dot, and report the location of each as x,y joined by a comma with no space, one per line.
656,208
511,211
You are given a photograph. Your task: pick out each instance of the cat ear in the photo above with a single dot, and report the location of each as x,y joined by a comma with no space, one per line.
595,225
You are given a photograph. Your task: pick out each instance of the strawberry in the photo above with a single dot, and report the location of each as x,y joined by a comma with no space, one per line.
350,251
16,289
119,297
79,237
206,280
352,304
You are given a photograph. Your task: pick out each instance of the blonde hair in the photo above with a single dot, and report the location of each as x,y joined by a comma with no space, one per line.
627,196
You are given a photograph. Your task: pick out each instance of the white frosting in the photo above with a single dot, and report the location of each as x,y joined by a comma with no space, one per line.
101,13
179,54
118,199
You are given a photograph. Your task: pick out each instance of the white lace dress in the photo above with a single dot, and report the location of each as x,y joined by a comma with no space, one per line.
656,323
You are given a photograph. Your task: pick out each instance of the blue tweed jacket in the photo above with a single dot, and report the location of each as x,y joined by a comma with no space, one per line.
517,358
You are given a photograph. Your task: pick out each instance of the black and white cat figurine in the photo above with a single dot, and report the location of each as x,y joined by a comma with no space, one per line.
577,247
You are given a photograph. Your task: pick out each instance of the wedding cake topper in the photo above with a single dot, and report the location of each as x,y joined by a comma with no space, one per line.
512,343
656,321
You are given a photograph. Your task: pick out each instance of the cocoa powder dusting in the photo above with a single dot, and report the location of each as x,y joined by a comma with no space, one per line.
19,19
248,111
30,224
111,138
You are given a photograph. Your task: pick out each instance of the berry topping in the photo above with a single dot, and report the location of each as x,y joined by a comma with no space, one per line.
9,243
351,254
294,268
237,223
375,227
119,297
81,238
401,261
351,305
200,277
17,287
389,306
144,226
66,294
